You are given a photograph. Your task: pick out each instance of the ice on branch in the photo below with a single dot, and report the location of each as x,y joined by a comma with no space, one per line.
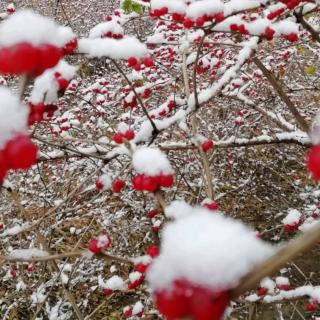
206,249
13,116
114,49
27,26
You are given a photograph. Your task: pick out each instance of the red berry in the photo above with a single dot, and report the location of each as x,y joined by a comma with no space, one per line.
292,37
99,185
49,57
132,61
207,145
153,251
117,138
188,23
213,206
118,185
313,162
310,306
148,62
96,245
200,22
63,84
107,292
262,291
152,213
3,166
166,181
141,267
24,58
269,33
127,313
129,135
20,153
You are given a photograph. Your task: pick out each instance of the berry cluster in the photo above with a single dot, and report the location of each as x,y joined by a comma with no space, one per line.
25,58
143,182
18,153
96,245
39,110
70,47
119,136
135,63
111,35
187,300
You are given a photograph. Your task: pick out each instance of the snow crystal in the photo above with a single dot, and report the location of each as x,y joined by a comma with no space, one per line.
13,116
151,161
207,249
27,26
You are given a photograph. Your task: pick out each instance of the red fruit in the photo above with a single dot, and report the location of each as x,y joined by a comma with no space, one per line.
63,84
20,153
137,182
99,185
127,313
136,283
132,61
118,185
207,145
24,58
152,213
129,135
141,267
262,291
200,22
49,57
313,162
150,184
147,93
3,167
117,138
219,17
233,27
166,181
153,251
171,104
269,33
96,245
213,206
148,62
107,292
311,306
70,47
292,37
188,23
5,61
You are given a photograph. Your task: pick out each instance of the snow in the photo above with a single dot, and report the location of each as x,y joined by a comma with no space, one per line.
106,180
115,283
134,276
178,209
137,308
177,6
46,86
114,49
102,28
13,116
26,254
27,26
292,218
206,257
200,8
151,161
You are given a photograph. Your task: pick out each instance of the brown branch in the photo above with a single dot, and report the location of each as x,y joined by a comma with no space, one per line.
285,98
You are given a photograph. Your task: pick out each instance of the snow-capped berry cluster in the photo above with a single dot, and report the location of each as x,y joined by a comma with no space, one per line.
136,63
30,44
104,182
292,221
98,244
16,149
200,270
154,170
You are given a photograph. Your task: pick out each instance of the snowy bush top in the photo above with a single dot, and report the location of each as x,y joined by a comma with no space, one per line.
151,162
13,116
206,249
27,26
114,49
